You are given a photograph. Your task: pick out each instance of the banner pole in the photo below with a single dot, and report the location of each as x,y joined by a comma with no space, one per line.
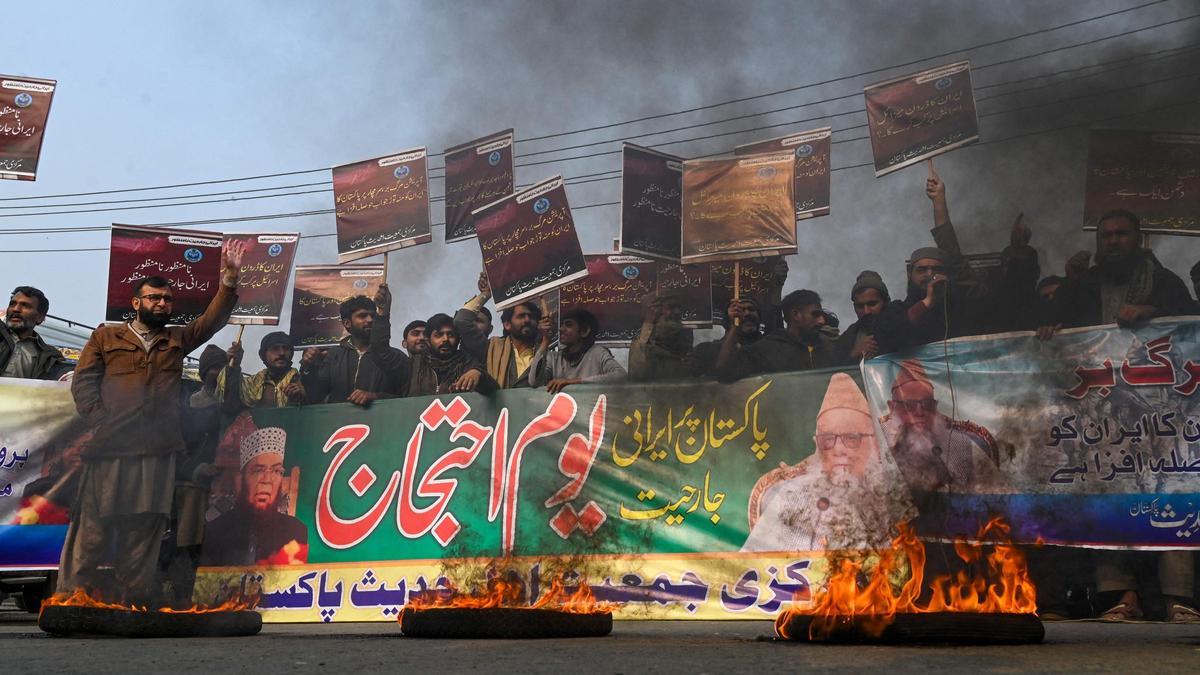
237,341
737,286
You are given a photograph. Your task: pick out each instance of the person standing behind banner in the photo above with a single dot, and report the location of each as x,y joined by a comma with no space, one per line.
526,337
663,347
23,353
881,328
127,388
415,340
704,358
275,386
344,373
579,360
800,347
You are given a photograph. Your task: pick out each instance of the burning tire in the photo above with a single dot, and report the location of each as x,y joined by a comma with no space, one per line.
926,628
503,623
71,620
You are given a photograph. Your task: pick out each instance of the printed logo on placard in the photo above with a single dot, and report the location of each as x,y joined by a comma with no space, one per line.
766,172
23,100
494,158
541,206
943,83
360,284
630,272
401,171
805,150
274,250
193,255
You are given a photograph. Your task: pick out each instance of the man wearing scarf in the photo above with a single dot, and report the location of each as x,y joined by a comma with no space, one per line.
1126,286
275,386
801,346
443,368
578,360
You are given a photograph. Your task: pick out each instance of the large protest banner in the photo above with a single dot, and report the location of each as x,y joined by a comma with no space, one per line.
319,291
693,285
613,291
263,278
381,204
529,243
188,259
40,437
914,117
651,202
1091,439
740,207
761,279
1155,175
477,173
812,150
24,109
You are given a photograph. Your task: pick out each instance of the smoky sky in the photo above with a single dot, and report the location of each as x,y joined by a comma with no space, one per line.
152,94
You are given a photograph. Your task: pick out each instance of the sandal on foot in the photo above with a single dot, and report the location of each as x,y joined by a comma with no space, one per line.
1122,612
1181,613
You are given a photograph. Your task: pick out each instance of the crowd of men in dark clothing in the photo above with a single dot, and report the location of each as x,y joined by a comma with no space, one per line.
945,298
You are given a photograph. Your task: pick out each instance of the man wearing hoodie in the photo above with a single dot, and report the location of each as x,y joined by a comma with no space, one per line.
801,346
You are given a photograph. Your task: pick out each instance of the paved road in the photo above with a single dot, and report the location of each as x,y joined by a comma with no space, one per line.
635,647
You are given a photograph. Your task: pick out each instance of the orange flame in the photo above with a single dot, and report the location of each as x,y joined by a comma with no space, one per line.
81,598
870,598
501,592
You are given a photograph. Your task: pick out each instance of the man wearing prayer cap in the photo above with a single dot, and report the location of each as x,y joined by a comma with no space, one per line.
933,451
882,327
275,386
946,299
840,497
255,531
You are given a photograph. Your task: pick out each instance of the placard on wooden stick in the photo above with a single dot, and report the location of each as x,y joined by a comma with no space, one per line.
1154,175
477,173
812,150
738,207
381,205
263,279
651,203
318,294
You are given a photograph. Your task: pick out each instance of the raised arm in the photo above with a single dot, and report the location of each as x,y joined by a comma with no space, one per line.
471,340
216,315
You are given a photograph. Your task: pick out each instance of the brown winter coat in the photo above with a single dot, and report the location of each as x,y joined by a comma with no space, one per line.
130,398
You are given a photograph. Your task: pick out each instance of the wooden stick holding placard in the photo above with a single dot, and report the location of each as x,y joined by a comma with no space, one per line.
737,288
385,267
237,341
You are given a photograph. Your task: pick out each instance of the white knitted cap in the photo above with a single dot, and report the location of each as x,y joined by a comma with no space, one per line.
262,441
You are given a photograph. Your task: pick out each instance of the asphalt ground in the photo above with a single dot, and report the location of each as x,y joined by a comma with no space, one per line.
692,647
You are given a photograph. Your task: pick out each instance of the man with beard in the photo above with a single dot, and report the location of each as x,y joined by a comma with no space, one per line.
578,360
932,450
946,299
881,327
801,346
839,497
345,372
127,388
745,333
443,368
663,344
275,386
255,532
1127,286
23,353
415,341
508,357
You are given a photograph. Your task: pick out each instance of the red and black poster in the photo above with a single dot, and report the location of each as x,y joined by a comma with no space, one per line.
24,108
693,284
316,300
918,116
529,243
760,278
613,291
381,205
263,279
738,207
651,203
1155,175
811,180
477,173
189,260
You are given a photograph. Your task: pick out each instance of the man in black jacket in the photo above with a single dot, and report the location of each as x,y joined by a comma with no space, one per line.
346,372
882,327
1126,286
800,347
23,353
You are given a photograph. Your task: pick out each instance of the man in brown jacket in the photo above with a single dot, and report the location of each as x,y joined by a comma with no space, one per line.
127,387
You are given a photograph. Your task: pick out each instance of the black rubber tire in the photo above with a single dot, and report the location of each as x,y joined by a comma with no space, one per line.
935,628
65,620
502,623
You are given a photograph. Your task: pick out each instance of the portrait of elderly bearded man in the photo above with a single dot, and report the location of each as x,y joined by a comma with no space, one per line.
839,498
254,531
933,451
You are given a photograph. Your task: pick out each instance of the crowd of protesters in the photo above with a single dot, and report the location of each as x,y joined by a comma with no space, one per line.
148,426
